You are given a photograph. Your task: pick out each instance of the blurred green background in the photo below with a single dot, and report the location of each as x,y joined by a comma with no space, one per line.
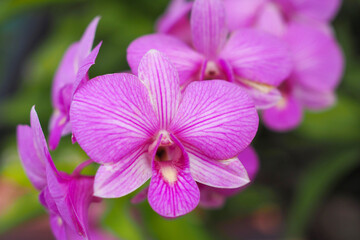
308,186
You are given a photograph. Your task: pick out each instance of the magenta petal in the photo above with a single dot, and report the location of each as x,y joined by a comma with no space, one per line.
82,74
140,196
263,100
186,61
258,56
80,197
210,198
123,177
65,74
242,13
323,10
72,196
33,164
286,116
39,138
228,173
58,122
215,197
112,116
162,80
318,61
217,118
172,191
250,161
271,20
58,227
87,40
315,100
208,26
175,13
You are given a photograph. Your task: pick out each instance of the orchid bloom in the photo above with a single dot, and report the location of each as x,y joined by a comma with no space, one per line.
256,61
211,197
71,74
66,197
144,127
318,67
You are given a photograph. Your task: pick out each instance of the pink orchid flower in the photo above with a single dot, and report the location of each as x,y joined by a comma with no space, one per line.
256,61
144,127
212,198
71,73
318,68
66,197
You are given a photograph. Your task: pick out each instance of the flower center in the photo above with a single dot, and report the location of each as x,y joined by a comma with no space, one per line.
168,157
162,154
213,71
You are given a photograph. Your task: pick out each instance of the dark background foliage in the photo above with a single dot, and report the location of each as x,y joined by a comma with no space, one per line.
308,186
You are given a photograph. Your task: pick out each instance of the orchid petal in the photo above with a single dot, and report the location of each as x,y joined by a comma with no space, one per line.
58,122
210,198
162,80
286,116
323,10
58,227
123,177
271,20
257,56
33,164
315,100
39,138
228,173
318,61
65,74
250,161
242,13
87,40
208,26
172,191
186,61
112,116
174,17
140,196
80,196
217,118
263,98
72,196
82,75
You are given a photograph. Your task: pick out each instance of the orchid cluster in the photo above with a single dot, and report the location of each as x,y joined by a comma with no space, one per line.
184,118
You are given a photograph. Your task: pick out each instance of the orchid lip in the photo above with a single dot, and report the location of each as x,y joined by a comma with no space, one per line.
169,173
